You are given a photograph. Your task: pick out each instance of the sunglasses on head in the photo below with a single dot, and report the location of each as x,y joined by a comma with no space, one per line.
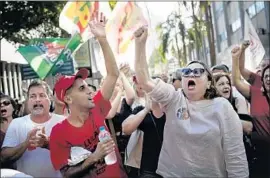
5,103
197,72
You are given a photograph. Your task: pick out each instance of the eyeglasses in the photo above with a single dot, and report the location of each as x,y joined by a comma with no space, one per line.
197,72
5,103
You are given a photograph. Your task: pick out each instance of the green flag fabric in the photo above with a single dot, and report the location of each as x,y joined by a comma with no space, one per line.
45,56
66,54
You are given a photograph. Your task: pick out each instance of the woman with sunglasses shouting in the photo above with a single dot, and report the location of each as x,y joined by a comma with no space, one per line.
8,113
202,134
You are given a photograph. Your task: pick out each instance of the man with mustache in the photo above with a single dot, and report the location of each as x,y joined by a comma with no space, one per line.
26,140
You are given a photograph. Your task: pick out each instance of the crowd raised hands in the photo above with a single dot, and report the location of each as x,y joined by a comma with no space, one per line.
202,129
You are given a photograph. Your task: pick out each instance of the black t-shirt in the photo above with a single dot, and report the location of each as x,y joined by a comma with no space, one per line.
5,165
152,139
118,119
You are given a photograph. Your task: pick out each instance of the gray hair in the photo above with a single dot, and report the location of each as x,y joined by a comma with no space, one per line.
36,83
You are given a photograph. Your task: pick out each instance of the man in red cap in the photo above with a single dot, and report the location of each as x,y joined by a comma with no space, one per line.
74,145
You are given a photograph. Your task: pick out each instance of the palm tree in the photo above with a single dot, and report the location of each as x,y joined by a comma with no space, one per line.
182,28
197,34
172,29
206,8
183,35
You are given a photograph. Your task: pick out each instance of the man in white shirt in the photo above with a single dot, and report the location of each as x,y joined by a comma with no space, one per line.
26,141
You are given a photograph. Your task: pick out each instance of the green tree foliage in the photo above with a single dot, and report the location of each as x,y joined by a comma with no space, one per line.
19,17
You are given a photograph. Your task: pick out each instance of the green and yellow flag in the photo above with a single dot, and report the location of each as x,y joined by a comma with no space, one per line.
45,56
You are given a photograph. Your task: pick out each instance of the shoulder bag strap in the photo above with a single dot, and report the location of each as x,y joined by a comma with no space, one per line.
112,131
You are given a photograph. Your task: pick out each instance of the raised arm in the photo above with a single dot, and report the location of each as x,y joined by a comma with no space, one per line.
137,116
129,91
98,29
133,121
141,67
240,85
159,91
115,103
244,71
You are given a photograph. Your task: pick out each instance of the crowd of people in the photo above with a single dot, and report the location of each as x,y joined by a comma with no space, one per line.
199,122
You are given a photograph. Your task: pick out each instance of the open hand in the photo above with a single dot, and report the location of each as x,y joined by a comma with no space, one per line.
125,69
236,52
141,35
97,25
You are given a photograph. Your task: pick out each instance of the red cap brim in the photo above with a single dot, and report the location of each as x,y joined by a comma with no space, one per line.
82,73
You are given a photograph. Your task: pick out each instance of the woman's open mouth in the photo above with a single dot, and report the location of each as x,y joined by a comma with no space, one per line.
226,91
191,85
3,112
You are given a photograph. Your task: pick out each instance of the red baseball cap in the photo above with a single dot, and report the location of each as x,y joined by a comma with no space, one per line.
65,82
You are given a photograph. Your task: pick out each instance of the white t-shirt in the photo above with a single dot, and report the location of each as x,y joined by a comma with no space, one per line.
241,103
13,173
201,139
37,162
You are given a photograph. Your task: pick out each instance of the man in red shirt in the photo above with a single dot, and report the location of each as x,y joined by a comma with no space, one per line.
260,112
87,114
253,79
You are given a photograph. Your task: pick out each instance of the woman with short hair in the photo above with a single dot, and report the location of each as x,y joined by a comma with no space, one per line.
202,134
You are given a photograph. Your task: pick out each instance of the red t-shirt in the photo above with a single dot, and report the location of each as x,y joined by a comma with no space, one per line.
255,80
64,136
259,110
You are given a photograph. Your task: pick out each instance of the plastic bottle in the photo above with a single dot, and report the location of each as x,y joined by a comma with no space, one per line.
103,136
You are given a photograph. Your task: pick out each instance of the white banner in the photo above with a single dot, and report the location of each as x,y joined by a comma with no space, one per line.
255,52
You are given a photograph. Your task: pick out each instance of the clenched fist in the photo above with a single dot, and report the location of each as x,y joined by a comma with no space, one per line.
236,52
141,35
245,45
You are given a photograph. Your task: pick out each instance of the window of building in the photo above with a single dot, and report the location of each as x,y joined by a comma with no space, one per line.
2,77
259,6
236,25
251,11
219,9
222,36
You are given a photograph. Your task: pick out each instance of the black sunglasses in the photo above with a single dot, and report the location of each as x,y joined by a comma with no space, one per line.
197,72
5,103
